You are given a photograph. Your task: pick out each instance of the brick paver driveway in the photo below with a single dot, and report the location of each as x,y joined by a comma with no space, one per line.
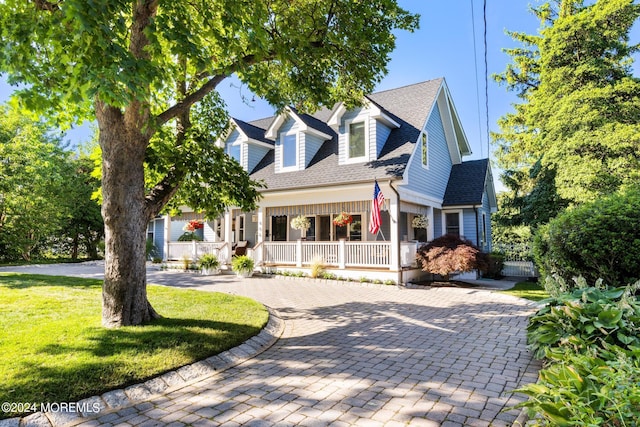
355,355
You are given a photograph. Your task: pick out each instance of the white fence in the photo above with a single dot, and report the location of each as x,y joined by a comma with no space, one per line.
518,260
338,254
194,250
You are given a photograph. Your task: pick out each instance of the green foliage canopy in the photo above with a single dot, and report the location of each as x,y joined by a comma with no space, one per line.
575,135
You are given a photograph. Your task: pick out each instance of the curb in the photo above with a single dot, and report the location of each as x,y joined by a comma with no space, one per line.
115,400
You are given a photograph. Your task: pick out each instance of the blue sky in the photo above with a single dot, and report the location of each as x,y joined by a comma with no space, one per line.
442,47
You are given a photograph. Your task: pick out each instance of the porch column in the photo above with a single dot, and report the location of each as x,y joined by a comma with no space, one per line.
430,229
299,253
227,226
259,254
167,237
394,218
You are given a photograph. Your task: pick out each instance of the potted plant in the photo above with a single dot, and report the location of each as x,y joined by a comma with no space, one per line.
301,223
420,221
209,264
242,265
343,219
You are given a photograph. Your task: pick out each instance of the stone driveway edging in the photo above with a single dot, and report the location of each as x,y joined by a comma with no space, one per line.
184,376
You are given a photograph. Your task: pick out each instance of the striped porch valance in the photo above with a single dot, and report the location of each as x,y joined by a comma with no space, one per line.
413,208
352,207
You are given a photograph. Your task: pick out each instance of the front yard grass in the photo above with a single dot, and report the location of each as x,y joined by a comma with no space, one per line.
54,349
528,290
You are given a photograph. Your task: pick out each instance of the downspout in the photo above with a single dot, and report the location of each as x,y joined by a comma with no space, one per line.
398,235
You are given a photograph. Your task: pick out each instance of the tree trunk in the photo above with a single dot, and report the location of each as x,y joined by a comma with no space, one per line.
124,292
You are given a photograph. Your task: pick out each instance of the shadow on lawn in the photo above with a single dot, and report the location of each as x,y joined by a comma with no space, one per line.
177,341
23,281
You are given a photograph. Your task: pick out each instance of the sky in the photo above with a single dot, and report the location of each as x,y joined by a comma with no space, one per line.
444,46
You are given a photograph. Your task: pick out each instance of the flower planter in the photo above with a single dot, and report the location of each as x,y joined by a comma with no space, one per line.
244,274
209,271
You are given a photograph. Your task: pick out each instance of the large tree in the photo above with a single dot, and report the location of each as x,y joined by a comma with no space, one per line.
33,178
575,134
142,65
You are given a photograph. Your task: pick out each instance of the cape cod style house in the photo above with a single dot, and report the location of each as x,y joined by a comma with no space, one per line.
409,140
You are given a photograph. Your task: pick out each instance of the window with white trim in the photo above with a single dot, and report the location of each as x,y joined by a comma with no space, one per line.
357,145
453,223
234,151
289,150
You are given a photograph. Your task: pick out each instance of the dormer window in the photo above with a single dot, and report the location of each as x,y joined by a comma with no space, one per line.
356,140
234,151
289,150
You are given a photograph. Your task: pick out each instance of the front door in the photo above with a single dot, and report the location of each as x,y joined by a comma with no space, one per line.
279,228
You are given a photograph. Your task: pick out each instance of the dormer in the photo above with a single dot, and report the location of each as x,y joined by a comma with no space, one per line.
246,144
297,139
362,132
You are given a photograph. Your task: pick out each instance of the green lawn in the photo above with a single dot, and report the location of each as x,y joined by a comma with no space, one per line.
528,290
54,349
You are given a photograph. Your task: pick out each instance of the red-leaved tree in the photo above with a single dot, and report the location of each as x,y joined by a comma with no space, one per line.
449,254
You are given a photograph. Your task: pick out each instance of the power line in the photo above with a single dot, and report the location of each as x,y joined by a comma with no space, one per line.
486,75
475,62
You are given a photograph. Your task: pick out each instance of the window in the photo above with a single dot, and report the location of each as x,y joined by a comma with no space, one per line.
233,150
289,151
453,223
355,229
424,147
356,140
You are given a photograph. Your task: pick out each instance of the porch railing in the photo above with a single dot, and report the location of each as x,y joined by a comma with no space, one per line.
337,254
194,250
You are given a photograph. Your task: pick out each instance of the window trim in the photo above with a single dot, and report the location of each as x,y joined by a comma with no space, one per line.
460,221
294,167
238,144
347,135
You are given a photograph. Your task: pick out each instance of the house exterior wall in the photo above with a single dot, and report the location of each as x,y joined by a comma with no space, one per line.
312,144
255,153
158,235
382,133
469,229
431,182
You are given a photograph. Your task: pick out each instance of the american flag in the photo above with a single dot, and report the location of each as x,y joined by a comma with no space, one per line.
376,204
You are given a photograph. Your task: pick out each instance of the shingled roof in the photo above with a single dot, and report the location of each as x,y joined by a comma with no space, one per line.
466,183
409,106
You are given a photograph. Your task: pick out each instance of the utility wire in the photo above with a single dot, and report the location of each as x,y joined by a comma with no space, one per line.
475,62
486,76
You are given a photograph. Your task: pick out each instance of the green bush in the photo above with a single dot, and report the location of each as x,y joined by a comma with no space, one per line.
495,264
242,264
585,390
598,239
586,319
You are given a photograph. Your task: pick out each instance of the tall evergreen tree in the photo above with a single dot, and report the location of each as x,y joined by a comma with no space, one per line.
575,134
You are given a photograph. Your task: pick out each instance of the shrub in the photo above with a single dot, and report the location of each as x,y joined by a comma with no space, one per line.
585,390
494,265
317,267
449,254
588,318
189,236
598,239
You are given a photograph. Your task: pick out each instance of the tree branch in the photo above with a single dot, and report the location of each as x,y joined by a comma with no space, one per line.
163,191
197,96
47,6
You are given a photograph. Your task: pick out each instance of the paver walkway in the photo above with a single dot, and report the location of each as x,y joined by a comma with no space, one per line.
356,355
